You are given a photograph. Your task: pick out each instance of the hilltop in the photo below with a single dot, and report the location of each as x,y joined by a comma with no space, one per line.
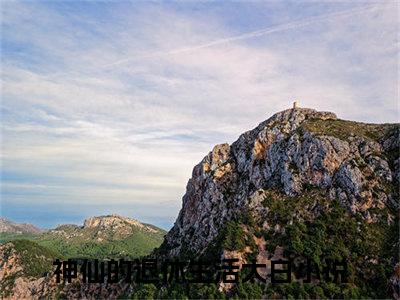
103,237
302,184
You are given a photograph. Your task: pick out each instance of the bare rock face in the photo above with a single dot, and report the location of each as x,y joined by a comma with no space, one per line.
293,150
115,222
16,282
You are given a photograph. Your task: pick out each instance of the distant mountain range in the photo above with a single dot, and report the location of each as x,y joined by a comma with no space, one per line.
302,185
110,236
7,226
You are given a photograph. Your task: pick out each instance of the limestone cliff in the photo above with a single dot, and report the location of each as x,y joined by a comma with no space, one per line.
294,150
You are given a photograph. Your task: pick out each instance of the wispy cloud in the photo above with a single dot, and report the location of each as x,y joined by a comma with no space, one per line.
253,34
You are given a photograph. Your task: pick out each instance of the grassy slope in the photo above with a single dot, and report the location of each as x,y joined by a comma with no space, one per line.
135,245
139,243
344,129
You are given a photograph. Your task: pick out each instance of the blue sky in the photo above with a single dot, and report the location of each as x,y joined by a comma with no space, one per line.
107,106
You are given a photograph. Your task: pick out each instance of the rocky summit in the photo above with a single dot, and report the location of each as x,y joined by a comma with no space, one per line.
302,184
292,152
116,222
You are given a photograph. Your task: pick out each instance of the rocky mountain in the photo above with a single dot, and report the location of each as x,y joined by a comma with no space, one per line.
102,228
303,185
110,236
26,261
16,228
116,222
293,151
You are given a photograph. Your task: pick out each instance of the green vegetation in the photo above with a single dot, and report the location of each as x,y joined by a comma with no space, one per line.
332,233
6,236
314,227
235,235
134,245
35,259
36,252
177,291
343,129
88,243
